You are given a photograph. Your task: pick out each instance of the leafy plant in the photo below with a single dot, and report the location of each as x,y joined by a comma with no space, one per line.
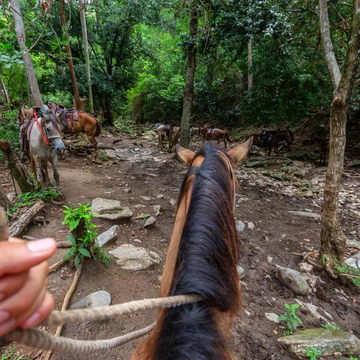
312,353
352,272
28,198
292,321
330,327
10,354
353,358
84,233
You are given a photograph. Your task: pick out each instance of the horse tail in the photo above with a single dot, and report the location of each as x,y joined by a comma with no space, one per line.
227,137
98,129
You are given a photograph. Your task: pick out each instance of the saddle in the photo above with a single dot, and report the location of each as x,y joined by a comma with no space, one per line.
69,116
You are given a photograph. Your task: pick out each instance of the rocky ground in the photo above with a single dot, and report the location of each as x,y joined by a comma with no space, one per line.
278,212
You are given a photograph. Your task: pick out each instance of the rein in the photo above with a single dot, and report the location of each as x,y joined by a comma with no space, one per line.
42,134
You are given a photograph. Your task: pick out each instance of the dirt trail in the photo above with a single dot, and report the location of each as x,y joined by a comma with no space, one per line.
278,238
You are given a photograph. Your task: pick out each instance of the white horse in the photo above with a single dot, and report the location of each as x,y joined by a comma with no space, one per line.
45,144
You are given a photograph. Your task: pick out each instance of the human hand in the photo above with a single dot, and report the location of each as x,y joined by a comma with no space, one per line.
24,301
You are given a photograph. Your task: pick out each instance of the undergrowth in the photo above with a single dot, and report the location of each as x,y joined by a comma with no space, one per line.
291,319
354,273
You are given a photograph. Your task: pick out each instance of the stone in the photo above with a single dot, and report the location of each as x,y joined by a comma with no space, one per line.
270,259
11,196
134,258
296,155
160,196
240,271
266,161
157,209
108,236
272,317
327,341
110,209
306,214
127,190
353,244
240,226
93,300
354,163
150,222
293,280
354,261
280,176
313,310
251,226
145,198
305,267
300,173
308,194
172,201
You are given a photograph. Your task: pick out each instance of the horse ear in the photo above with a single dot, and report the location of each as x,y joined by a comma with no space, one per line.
185,155
239,153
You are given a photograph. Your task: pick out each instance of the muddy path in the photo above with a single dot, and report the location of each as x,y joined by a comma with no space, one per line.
278,237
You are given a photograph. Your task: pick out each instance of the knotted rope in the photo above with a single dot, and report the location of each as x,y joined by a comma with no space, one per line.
42,340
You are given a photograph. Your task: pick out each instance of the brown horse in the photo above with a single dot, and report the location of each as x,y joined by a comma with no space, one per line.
209,134
202,258
171,132
24,114
74,122
324,146
272,139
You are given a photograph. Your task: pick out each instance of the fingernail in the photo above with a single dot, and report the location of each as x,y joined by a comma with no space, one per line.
4,315
37,246
31,321
7,326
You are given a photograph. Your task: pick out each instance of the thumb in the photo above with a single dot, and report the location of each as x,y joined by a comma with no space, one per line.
17,256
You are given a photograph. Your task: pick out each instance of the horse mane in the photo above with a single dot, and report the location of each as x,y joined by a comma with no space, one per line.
206,265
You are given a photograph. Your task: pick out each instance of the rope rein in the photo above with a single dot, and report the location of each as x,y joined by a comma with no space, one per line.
42,340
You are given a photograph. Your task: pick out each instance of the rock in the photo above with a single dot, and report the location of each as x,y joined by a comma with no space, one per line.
306,214
134,258
157,209
288,191
326,340
311,280
251,226
172,202
110,209
300,173
266,161
292,279
353,244
298,163
145,198
313,310
127,190
95,299
163,241
270,259
240,226
108,236
272,317
354,163
305,267
160,196
354,261
296,155
150,222
240,271
308,194
280,176
11,196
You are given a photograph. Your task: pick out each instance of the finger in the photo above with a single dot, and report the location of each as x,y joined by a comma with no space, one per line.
32,310
11,284
21,302
18,257
41,313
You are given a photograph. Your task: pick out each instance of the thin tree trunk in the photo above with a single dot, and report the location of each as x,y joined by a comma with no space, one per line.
109,121
4,91
190,76
250,64
86,52
333,241
19,176
4,201
29,68
74,84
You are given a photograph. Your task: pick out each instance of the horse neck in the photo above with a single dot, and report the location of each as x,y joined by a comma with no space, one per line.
197,263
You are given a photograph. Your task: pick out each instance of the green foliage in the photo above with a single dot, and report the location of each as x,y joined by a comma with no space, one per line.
292,321
11,355
9,130
352,272
81,217
29,198
330,327
312,353
353,358
102,255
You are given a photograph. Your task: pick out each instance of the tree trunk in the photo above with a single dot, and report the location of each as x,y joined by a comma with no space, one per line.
75,88
29,68
4,91
4,201
19,176
333,241
109,121
86,52
250,64
190,75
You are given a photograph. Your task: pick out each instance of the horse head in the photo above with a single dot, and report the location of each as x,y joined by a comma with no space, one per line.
53,131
